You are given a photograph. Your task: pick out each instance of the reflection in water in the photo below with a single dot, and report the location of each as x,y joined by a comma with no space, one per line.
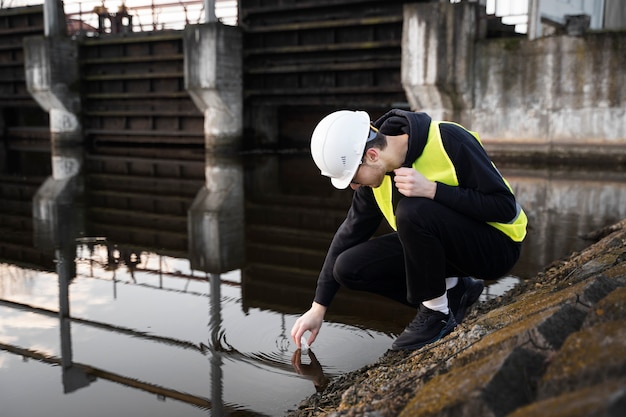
313,370
563,206
216,218
74,377
155,300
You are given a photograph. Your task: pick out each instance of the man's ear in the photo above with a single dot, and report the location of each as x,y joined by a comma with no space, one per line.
372,154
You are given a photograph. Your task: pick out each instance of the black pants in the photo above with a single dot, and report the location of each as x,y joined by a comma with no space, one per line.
432,242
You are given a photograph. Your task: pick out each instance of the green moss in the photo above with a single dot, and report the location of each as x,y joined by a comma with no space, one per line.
507,338
595,351
459,384
616,270
511,44
585,402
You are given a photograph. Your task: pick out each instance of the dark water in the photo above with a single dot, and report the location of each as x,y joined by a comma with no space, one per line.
140,295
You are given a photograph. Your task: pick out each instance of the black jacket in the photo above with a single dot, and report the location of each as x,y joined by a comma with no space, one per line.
482,193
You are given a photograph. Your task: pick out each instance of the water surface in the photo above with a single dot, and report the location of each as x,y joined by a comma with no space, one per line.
139,301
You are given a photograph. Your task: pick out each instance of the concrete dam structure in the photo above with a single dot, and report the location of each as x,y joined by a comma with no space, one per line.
268,80
110,150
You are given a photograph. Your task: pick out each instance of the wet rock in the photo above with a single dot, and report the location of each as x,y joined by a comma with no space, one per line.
604,400
612,307
552,346
492,386
587,358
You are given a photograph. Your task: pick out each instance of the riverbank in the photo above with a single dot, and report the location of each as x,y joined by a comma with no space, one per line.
552,346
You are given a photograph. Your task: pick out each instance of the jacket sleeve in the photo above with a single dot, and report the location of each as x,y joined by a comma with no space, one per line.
361,222
482,192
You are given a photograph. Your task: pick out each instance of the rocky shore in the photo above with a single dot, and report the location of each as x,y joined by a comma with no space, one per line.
554,345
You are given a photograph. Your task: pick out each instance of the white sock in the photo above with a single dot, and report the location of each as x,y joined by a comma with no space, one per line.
451,282
438,304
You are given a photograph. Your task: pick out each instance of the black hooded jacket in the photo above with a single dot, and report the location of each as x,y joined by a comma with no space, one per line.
481,194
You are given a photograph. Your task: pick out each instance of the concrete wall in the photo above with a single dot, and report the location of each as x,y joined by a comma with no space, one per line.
559,95
560,89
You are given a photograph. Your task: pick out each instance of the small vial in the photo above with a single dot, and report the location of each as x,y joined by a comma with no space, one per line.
304,346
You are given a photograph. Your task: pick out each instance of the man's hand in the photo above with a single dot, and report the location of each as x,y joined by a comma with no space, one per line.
412,183
311,321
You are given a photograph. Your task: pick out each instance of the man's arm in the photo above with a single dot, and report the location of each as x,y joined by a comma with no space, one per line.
360,224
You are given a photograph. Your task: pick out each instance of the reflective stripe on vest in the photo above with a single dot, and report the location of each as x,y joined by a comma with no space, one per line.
435,164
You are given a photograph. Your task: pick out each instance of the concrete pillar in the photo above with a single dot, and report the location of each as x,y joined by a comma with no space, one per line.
54,18
614,15
209,11
52,76
216,217
213,78
437,57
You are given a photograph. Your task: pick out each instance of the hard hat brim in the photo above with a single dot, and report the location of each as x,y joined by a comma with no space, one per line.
342,183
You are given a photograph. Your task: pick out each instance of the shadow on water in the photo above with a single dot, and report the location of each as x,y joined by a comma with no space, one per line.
161,283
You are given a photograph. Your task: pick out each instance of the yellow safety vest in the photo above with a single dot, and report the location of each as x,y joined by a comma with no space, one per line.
435,164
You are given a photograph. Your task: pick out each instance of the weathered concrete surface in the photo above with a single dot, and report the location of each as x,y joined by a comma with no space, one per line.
559,96
215,222
552,346
553,98
213,78
438,52
51,70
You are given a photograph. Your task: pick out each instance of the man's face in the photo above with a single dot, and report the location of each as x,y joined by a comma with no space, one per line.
369,174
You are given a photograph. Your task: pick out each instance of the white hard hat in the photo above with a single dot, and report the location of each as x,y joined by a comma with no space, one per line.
337,145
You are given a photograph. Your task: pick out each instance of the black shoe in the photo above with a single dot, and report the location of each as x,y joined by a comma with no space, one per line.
463,295
427,327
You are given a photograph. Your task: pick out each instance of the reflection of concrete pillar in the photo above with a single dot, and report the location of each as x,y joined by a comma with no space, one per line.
216,217
73,377
217,378
52,75
213,78
437,57
57,210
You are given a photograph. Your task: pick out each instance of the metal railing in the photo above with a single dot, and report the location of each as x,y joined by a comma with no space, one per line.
110,16
512,12
93,17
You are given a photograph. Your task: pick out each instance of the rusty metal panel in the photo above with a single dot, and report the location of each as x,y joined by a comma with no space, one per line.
133,91
24,119
325,53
